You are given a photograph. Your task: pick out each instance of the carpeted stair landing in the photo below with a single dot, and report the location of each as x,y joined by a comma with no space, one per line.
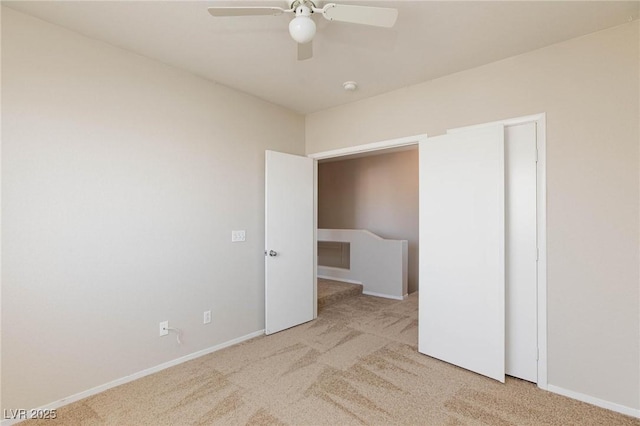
330,292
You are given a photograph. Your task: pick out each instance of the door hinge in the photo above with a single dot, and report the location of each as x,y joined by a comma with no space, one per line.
536,155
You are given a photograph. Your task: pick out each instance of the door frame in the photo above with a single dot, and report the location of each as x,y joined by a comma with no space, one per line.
541,210
343,152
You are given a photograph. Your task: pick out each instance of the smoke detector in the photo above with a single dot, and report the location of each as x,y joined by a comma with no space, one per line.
350,86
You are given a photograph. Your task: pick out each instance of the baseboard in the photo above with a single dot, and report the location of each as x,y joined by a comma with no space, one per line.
135,376
386,296
633,412
345,280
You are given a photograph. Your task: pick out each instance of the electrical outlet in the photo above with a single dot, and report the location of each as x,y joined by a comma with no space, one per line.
207,317
164,328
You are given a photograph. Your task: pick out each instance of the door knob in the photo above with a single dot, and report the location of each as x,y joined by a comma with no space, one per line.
273,253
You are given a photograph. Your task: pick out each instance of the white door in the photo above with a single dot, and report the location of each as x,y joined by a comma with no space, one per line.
289,241
462,258
521,252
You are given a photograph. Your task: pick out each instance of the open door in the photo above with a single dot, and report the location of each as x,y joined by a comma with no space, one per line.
462,243
289,241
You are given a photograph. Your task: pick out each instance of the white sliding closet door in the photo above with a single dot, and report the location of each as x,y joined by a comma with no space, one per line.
462,243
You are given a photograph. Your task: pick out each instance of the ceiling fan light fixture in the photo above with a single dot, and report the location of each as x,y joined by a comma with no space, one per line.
302,28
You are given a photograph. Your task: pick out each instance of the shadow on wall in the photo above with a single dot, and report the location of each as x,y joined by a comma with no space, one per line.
335,254
378,193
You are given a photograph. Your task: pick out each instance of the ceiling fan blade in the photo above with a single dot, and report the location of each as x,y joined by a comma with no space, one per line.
245,11
366,15
305,51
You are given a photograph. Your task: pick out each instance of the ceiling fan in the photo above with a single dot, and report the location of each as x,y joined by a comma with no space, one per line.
302,27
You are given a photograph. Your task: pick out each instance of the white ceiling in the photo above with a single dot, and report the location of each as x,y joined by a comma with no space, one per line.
256,54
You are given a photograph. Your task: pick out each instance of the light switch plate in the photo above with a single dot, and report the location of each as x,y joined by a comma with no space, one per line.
238,236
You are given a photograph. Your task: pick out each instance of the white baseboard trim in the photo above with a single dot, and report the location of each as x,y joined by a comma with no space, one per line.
633,412
386,296
135,376
327,277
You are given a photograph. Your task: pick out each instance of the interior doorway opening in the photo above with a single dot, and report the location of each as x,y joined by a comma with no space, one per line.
368,218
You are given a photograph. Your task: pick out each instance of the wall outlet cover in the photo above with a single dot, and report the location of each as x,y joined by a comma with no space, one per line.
164,328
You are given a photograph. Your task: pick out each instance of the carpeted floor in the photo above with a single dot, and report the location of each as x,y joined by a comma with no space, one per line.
331,291
356,364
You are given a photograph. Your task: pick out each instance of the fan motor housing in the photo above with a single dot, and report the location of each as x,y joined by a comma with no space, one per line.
295,3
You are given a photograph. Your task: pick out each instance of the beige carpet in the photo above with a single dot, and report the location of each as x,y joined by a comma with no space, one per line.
356,364
331,291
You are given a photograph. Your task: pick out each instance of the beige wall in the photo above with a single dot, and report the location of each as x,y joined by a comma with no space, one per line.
122,179
589,89
117,207
378,193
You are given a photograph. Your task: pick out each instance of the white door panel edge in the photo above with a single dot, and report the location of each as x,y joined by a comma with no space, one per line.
289,240
521,291
461,299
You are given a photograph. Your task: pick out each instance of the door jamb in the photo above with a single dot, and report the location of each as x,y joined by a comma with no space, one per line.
315,239
370,147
